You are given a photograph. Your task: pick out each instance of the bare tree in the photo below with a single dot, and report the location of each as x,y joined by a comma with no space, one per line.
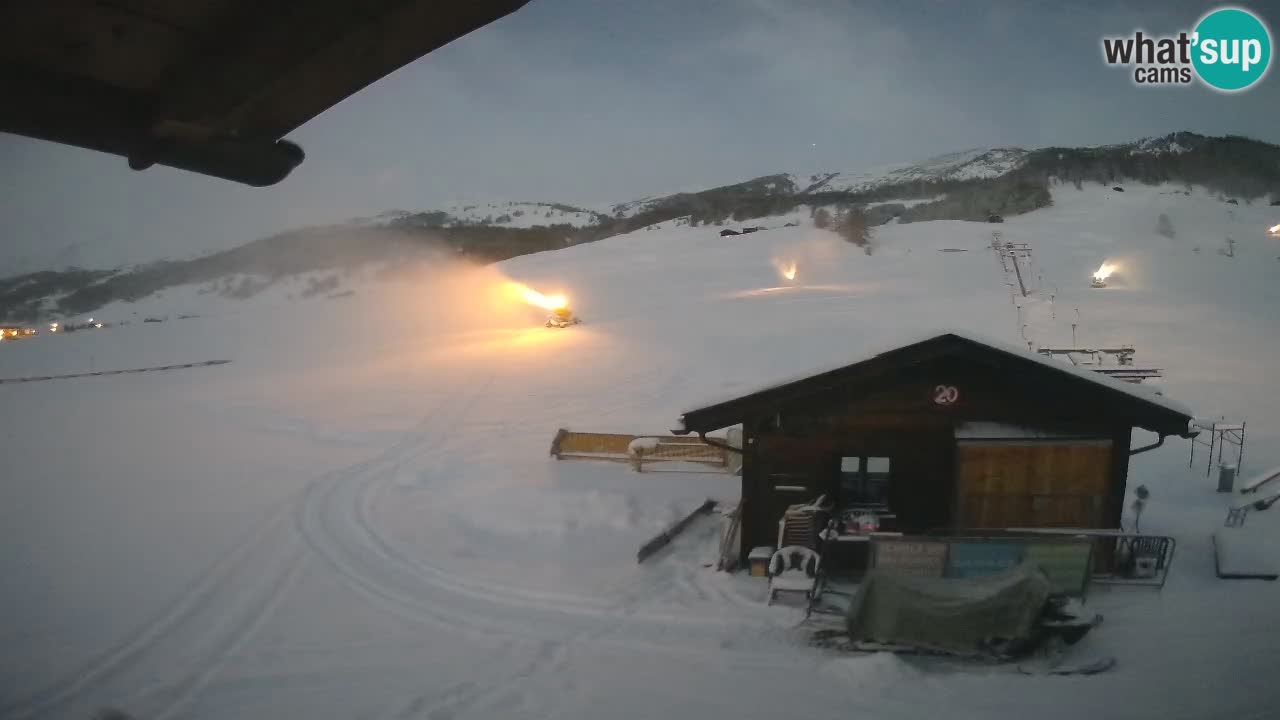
1165,227
852,226
822,218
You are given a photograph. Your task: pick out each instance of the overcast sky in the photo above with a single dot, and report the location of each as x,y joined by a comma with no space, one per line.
590,102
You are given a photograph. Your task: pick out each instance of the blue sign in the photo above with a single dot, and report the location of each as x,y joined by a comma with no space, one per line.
975,559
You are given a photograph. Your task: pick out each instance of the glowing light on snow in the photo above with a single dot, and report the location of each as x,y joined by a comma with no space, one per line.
537,299
1274,230
786,268
816,291
1104,272
97,325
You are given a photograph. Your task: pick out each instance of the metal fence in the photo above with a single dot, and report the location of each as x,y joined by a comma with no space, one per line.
1133,559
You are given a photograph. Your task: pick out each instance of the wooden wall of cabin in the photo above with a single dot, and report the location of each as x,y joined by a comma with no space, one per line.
778,471
797,464
1033,483
899,415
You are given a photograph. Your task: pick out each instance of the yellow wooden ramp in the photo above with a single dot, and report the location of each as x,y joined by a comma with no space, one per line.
660,450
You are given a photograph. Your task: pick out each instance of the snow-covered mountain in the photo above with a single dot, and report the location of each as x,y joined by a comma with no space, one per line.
980,164
505,214
523,214
1175,143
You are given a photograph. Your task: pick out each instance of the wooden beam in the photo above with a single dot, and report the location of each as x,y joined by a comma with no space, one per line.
664,538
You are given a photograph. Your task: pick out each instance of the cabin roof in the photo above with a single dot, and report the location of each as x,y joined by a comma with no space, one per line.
1139,404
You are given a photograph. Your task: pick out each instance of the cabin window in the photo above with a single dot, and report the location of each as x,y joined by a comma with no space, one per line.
864,481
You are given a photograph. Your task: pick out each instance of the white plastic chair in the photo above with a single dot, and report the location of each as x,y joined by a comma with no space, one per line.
793,569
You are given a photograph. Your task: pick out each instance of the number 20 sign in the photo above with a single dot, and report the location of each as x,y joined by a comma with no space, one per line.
946,395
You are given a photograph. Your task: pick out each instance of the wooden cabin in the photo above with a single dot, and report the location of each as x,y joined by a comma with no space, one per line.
947,433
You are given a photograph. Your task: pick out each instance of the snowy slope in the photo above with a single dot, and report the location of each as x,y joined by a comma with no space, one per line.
520,214
966,165
357,517
499,214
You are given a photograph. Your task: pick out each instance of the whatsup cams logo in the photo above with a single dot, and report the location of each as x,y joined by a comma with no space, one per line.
1229,50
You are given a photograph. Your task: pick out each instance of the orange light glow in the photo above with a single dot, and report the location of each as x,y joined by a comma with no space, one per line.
786,268
1104,272
1274,230
535,298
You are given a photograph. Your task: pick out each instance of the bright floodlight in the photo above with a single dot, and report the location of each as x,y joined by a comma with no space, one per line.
537,299
786,268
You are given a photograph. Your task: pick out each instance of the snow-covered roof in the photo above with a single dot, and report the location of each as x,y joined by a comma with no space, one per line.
1007,431
1146,393
1138,392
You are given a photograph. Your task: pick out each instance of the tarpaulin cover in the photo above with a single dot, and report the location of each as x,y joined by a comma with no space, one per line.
957,615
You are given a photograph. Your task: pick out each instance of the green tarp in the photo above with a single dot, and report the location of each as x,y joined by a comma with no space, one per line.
955,615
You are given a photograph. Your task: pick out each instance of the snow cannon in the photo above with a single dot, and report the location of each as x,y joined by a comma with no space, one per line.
1102,273
562,317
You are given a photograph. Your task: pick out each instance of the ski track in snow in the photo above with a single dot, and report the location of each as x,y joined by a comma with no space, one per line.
225,607
334,517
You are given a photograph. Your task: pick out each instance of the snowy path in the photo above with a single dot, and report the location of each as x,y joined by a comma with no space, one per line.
209,622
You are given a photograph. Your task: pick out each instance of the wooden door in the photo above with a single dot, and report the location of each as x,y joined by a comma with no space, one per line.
1032,484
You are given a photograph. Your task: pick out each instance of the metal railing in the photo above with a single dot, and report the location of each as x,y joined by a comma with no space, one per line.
1133,559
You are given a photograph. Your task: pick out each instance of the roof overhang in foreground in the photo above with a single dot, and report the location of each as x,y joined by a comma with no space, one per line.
210,86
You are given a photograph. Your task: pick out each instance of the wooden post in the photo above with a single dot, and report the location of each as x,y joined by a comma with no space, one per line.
1017,269
661,540
1240,457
